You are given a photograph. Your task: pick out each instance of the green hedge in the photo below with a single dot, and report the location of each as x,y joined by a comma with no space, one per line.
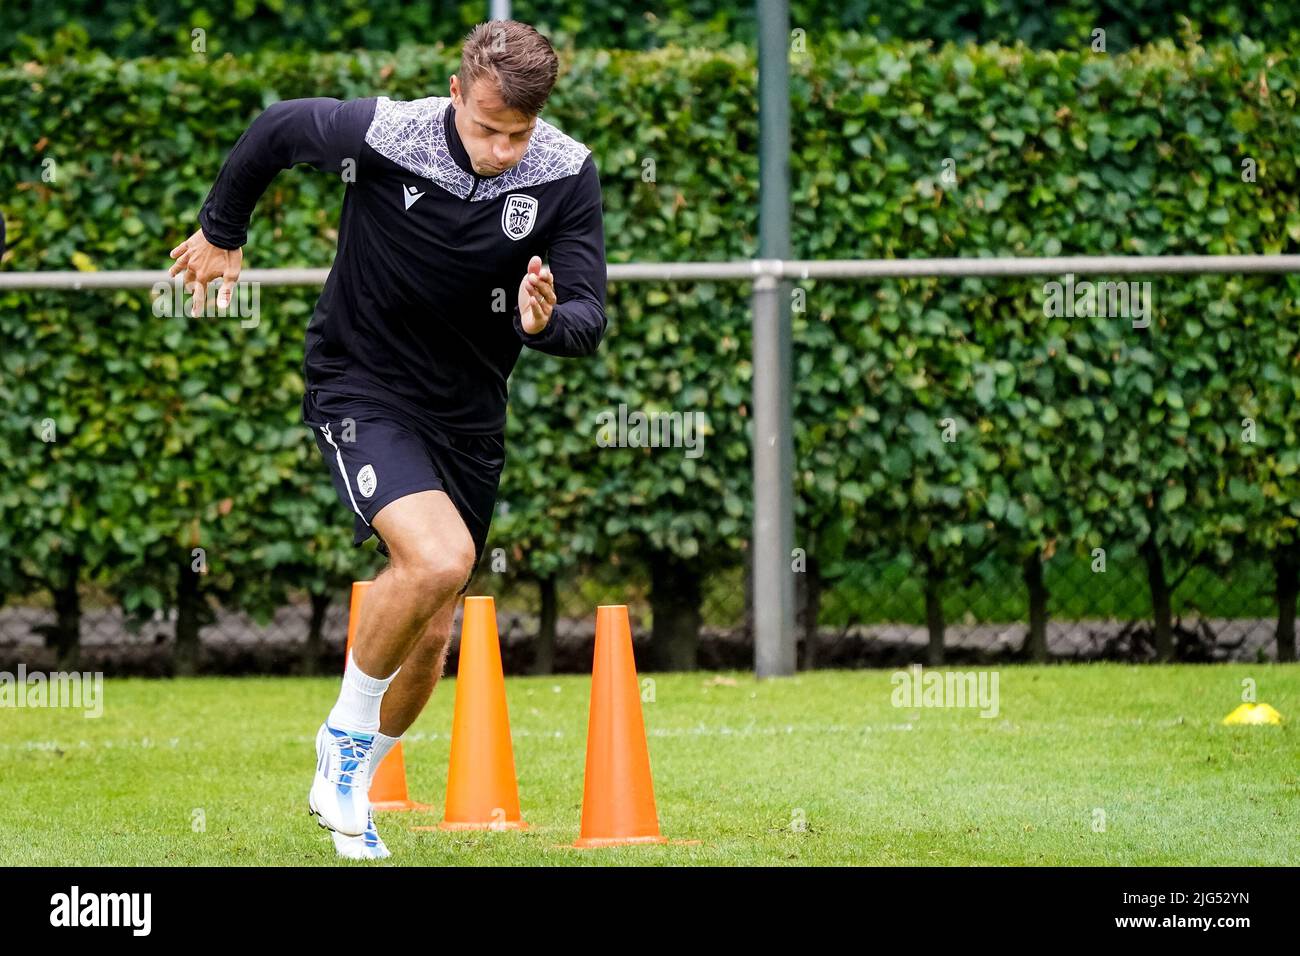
1071,434
124,28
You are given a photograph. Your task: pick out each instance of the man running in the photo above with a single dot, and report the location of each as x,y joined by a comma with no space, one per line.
438,283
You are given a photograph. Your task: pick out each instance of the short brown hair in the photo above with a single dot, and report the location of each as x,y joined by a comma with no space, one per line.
521,61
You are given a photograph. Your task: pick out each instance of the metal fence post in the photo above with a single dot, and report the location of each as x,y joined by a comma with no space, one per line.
774,644
773,446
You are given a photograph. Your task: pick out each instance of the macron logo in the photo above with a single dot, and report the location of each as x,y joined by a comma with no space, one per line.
410,196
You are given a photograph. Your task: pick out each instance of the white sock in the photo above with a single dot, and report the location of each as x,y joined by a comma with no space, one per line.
357,708
379,749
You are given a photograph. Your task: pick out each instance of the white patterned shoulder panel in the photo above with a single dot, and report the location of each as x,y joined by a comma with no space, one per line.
410,133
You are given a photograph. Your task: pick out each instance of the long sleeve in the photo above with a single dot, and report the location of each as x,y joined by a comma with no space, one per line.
321,131
576,257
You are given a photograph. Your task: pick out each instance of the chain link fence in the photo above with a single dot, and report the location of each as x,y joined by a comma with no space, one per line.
870,612
875,613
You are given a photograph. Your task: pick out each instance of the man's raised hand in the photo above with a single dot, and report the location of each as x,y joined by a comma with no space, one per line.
201,262
536,296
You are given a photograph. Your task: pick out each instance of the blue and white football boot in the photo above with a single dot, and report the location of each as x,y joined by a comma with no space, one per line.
368,846
339,796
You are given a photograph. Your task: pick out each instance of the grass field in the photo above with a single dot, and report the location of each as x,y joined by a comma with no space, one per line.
816,769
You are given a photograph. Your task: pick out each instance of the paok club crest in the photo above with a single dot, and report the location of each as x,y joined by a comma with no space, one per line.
518,216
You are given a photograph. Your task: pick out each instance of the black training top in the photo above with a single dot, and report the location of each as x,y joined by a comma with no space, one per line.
421,307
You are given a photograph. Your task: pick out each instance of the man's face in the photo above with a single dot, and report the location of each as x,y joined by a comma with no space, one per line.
494,135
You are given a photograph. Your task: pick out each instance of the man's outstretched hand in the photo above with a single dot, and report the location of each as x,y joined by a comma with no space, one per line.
201,262
536,296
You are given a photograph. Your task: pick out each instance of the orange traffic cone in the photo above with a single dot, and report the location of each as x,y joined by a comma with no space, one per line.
618,798
388,785
481,790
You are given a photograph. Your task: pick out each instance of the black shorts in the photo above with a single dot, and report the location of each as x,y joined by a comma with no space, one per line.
376,455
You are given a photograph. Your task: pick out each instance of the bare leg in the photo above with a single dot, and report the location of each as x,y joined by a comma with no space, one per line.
432,554
410,690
